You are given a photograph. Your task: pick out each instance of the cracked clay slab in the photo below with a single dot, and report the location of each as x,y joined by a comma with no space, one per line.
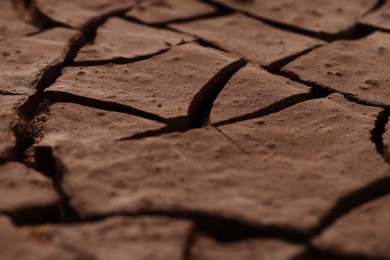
205,248
22,188
164,11
258,42
363,232
10,24
16,245
333,18
357,68
150,85
118,238
9,119
326,144
380,18
118,38
203,172
81,13
252,89
68,121
23,61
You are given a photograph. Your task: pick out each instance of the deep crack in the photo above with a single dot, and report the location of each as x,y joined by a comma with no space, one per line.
201,105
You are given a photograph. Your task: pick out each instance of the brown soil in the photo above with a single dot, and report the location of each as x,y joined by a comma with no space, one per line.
196,129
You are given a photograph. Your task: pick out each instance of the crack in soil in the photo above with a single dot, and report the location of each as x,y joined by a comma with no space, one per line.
373,191
378,132
119,60
361,196
35,215
274,108
28,11
64,97
276,66
52,73
349,33
326,255
325,89
33,114
163,25
201,105
376,7
220,228
51,166
7,93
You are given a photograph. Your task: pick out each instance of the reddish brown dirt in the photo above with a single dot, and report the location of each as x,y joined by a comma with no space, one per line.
194,130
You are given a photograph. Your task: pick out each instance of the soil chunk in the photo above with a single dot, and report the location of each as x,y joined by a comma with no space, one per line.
380,18
150,85
81,14
237,178
9,119
22,189
16,245
363,232
10,24
127,40
69,121
333,18
252,89
248,37
164,11
23,62
356,68
121,238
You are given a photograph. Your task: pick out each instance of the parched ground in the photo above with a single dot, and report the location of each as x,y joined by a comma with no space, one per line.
194,130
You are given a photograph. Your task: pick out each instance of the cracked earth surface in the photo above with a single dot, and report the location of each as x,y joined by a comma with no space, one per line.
194,129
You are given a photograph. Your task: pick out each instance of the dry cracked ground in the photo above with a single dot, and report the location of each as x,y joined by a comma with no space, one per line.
189,129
